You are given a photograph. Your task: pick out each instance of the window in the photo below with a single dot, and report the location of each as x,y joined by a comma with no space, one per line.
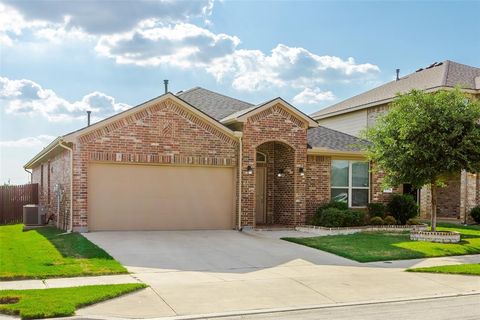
261,157
350,182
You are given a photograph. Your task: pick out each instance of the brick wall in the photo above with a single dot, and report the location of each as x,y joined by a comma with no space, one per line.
275,124
448,198
318,183
377,193
165,133
284,187
55,171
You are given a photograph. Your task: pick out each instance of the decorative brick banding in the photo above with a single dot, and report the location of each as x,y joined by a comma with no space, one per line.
435,236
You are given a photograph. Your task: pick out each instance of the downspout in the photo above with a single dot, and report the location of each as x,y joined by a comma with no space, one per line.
60,143
240,165
30,173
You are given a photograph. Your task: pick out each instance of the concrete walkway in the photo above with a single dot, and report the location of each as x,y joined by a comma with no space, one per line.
209,272
66,282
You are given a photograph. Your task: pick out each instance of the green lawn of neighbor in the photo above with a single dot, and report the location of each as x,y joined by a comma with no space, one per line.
472,269
382,246
48,252
58,302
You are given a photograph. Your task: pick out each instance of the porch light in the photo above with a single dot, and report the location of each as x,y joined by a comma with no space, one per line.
249,170
280,173
301,171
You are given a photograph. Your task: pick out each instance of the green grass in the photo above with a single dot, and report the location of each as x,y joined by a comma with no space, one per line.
472,269
47,252
58,302
380,246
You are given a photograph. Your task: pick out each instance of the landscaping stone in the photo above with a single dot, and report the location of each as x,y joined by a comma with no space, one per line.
318,230
435,236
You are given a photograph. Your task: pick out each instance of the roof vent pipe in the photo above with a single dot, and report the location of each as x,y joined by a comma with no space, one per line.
88,118
398,75
166,85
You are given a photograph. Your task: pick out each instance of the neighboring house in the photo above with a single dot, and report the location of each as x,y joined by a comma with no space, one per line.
200,160
359,112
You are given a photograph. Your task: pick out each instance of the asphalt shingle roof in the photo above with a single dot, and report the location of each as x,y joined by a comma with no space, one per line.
443,74
214,104
322,137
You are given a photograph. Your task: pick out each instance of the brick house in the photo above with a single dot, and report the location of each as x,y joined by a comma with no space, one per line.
200,160
462,191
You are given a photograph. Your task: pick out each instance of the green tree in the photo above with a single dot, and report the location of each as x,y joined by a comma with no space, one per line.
426,137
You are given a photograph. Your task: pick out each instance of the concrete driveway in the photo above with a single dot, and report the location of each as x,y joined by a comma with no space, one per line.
205,272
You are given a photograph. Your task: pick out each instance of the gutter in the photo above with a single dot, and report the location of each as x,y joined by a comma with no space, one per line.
239,135
60,143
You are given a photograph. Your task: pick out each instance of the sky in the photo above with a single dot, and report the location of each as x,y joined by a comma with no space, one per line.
59,59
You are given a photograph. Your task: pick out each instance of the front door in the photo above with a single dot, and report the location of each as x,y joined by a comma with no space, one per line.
260,195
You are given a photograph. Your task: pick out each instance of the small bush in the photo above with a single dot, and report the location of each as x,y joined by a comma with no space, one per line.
376,221
389,220
332,217
354,218
317,217
412,222
402,207
376,209
475,214
334,204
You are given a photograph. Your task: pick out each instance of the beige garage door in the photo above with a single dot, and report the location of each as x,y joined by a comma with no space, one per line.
139,197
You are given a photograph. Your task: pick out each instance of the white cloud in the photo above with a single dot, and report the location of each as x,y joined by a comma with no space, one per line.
27,142
252,70
313,96
189,46
182,45
111,16
12,24
25,97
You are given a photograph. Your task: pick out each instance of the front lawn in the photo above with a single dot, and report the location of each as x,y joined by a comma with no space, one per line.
472,269
48,252
58,302
381,246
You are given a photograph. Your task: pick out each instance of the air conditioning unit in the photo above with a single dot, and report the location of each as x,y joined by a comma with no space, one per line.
33,215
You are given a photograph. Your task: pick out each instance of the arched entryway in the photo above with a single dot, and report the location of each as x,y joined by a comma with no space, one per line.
275,178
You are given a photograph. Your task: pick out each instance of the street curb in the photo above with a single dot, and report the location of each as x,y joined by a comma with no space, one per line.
281,310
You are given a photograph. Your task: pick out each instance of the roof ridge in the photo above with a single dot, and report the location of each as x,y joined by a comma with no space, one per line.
188,90
220,94
447,69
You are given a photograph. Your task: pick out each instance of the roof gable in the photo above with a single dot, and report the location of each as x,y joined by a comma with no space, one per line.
139,112
243,115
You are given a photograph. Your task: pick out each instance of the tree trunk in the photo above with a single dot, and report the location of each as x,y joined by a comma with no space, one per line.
433,188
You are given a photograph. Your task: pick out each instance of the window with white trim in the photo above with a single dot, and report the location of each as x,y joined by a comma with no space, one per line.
350,182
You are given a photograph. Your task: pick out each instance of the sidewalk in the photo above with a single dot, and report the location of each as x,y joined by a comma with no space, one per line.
66,282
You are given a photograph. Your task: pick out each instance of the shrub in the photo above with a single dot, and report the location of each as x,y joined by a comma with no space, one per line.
337,214
317,217
332,217
354,218
389,220
402,207
376,221
334,204
475,214
376,209
412,222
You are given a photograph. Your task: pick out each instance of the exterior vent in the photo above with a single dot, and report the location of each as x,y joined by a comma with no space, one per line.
33,215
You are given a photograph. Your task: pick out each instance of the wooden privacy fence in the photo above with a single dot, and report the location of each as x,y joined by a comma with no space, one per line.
12,200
